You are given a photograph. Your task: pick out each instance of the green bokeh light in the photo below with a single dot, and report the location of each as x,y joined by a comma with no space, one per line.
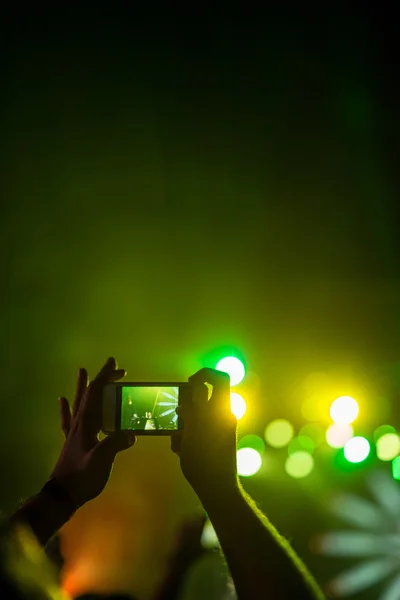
279,433
302,443
248,462
234,367
357,449
388,446
381,430
396,468
314,431
252,441
300,464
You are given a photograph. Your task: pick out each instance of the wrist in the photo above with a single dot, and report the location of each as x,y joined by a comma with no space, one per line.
45,513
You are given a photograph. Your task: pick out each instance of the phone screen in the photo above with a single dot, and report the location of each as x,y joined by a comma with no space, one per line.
149,408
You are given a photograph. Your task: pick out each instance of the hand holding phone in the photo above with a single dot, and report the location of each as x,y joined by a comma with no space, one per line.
145,408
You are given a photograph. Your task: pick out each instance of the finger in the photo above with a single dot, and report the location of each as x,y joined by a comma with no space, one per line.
118,374
109,366
65,413
176,440
220,382
81,385
108,448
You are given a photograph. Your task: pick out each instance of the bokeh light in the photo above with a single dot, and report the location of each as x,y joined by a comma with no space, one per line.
396,468
344,410
279,433
238,405
357,449
248,462
314,431
300,464
209,538
234,367
388,446
252,441
381,430
338,435
302,443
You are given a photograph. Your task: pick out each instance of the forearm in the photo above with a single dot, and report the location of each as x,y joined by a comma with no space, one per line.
44,515
259,558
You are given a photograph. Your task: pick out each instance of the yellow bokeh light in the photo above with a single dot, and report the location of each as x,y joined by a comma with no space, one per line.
279,433
300,464
337,435
344,410
238,405
388,446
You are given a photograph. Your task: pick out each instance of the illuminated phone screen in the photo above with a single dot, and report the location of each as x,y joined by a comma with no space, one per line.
149,408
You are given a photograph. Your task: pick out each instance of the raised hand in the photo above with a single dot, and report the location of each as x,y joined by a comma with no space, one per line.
85,463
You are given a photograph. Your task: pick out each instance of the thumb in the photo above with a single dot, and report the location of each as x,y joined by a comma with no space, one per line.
114,443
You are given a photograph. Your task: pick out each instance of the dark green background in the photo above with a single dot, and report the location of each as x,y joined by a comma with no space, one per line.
177,184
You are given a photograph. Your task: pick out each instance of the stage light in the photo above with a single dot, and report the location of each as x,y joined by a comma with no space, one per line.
381,430
344,410
300,464
338,435
279,433
357,449
252,441
238,405
248,461
396,468
234,367
314,431
302,443
388,446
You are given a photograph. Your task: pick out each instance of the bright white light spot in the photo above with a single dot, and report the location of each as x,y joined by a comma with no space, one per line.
234,367
357,449
344,410
248,462
337,435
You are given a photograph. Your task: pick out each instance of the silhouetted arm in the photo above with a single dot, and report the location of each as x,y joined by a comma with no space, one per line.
262,563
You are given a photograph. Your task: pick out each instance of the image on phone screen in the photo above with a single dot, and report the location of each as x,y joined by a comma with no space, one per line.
149,408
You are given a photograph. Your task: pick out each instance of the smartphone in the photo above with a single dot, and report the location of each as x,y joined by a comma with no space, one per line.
146,408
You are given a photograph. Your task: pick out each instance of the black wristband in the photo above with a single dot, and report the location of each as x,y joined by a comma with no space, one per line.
56,491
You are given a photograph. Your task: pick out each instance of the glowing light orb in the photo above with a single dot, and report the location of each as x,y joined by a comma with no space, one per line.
357,449
388,446
279,433
396,468
381,430
234,367
344,410
248,462
338,435
238,405
300,464
252,441
209,538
